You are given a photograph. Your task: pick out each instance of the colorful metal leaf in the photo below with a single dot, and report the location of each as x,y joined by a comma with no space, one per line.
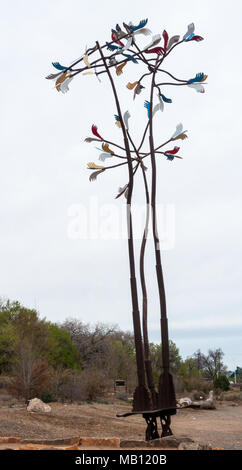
173,151
119,31
178,131
138,90
90,139
103,156
112,47
158,107
195,38
52,76
93,166
88,73
155,40
94,175
173,40
190,37
190,30
127,116
86,61
121,191
200,77
130,57
180,137
144,31
120,67
112,61
147,106
64,88
128,44
141,24
197,87
130,86
58,66
95,132
166,100
166,38
117,119
60,80
169,157
106,148
115,38
161,103
155,50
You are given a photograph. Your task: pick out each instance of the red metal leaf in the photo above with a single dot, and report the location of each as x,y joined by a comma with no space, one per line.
173,151
95,132
195,38
166,37
155,50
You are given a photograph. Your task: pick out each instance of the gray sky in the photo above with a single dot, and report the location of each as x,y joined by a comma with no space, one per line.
43,170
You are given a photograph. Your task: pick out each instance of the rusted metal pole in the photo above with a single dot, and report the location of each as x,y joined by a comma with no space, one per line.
141,395
166,387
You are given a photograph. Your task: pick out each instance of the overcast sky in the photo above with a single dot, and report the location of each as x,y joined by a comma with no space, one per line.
44,181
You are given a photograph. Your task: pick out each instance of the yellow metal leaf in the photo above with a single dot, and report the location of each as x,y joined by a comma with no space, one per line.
88,73
86,61
130,86
106,148
118,123
93,166
119,69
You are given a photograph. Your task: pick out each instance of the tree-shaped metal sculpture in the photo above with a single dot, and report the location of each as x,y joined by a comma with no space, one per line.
114,56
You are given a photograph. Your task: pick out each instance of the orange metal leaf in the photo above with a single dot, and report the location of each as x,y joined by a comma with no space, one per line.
60,80
119,69
106,148
130,86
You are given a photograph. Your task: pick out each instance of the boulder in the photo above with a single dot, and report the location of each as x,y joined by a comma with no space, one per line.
186,401
38,406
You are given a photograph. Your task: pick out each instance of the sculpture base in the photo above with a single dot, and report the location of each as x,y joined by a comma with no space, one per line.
150,417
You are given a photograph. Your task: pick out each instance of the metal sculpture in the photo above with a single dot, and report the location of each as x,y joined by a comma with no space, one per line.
121,51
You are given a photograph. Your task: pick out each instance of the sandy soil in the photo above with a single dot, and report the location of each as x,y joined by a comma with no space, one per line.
220,428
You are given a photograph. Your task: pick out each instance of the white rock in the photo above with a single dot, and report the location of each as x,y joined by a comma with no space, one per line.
38,406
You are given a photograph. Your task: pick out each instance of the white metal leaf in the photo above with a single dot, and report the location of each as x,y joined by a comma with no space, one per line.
127,115
198,87
190,30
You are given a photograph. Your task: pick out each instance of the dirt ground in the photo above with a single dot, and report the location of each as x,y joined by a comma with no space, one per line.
220,428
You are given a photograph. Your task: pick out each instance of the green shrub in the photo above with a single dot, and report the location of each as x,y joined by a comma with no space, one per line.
221,382
47,396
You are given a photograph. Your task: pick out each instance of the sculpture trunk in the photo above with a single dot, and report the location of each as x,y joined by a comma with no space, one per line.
167,399
141,400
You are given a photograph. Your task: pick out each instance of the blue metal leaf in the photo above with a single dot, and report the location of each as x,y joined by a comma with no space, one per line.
141,24
58,66
189,37
130,57
112,47
147,106
199,77
166,100
169,157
